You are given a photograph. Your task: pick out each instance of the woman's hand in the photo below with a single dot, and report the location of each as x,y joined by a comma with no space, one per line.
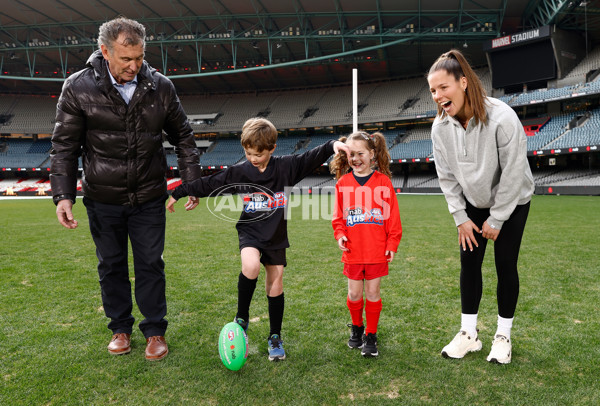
489,232
466,237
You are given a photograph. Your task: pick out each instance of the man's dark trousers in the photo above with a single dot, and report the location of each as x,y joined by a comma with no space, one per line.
144,225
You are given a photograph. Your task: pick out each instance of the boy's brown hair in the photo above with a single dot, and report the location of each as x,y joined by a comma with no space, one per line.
259,133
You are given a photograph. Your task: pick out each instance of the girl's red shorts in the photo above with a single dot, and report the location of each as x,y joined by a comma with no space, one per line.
365,271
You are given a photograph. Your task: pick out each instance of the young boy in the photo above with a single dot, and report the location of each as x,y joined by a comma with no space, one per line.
262,227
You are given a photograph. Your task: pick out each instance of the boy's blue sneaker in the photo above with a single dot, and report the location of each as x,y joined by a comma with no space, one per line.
242,323
276,351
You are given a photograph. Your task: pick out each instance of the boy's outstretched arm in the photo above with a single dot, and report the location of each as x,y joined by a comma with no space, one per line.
200,187
308,161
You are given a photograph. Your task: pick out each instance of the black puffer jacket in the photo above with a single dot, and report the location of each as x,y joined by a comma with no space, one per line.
121,145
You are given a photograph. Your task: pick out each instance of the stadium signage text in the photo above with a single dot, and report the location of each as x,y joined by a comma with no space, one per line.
518,38
512,39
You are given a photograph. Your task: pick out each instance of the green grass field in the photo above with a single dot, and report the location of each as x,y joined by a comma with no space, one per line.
53,333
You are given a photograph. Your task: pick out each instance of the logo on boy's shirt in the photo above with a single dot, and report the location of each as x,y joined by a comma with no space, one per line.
261,201
359,215
228,201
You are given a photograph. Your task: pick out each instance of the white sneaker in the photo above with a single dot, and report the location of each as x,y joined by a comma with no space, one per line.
462,344
501,350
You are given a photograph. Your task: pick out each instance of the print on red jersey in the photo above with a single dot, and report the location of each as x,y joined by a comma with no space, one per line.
360,215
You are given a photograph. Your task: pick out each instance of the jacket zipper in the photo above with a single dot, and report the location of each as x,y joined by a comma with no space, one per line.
463,135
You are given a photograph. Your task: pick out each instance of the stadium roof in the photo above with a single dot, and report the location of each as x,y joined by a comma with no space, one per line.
254,45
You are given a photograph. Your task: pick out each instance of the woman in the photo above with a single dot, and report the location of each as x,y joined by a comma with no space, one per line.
480,153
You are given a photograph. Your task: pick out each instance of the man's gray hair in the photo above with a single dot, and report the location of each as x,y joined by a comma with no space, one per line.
135,33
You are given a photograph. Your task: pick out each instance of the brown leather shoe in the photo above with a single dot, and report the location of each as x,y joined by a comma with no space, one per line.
120,344
156,348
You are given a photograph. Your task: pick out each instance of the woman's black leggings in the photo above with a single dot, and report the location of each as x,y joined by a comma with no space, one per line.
506,253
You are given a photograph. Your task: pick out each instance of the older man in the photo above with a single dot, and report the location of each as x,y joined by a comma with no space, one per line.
113,114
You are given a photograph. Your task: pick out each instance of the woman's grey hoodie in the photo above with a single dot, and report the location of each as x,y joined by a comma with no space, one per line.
484,164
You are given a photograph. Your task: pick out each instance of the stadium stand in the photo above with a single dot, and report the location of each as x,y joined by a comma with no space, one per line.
226,152
567,177
30,115
380,101
578,74
552,130
24,153
383,101
583,180
587,132
288,145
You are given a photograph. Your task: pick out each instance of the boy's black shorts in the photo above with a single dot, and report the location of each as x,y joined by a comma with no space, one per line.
270,257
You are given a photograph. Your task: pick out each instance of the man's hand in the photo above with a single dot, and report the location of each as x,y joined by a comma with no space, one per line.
65,214
171,204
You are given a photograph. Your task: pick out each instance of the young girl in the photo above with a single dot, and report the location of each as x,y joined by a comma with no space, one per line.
366,224
480,151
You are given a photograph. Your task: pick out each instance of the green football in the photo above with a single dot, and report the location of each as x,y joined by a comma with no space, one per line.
233,346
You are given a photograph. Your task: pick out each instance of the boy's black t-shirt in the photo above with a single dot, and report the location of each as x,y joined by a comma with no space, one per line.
262,223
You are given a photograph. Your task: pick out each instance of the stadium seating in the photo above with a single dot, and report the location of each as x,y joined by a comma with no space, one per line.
288,145
542,95
589,63
568,177
581,180
413,182
24,153
226,151
30,115
380,101
414,149
552,130
586,134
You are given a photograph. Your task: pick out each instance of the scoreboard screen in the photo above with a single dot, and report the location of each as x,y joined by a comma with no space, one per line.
521,58
527,63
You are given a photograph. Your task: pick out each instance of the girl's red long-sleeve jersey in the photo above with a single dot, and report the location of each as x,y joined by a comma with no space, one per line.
369,218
